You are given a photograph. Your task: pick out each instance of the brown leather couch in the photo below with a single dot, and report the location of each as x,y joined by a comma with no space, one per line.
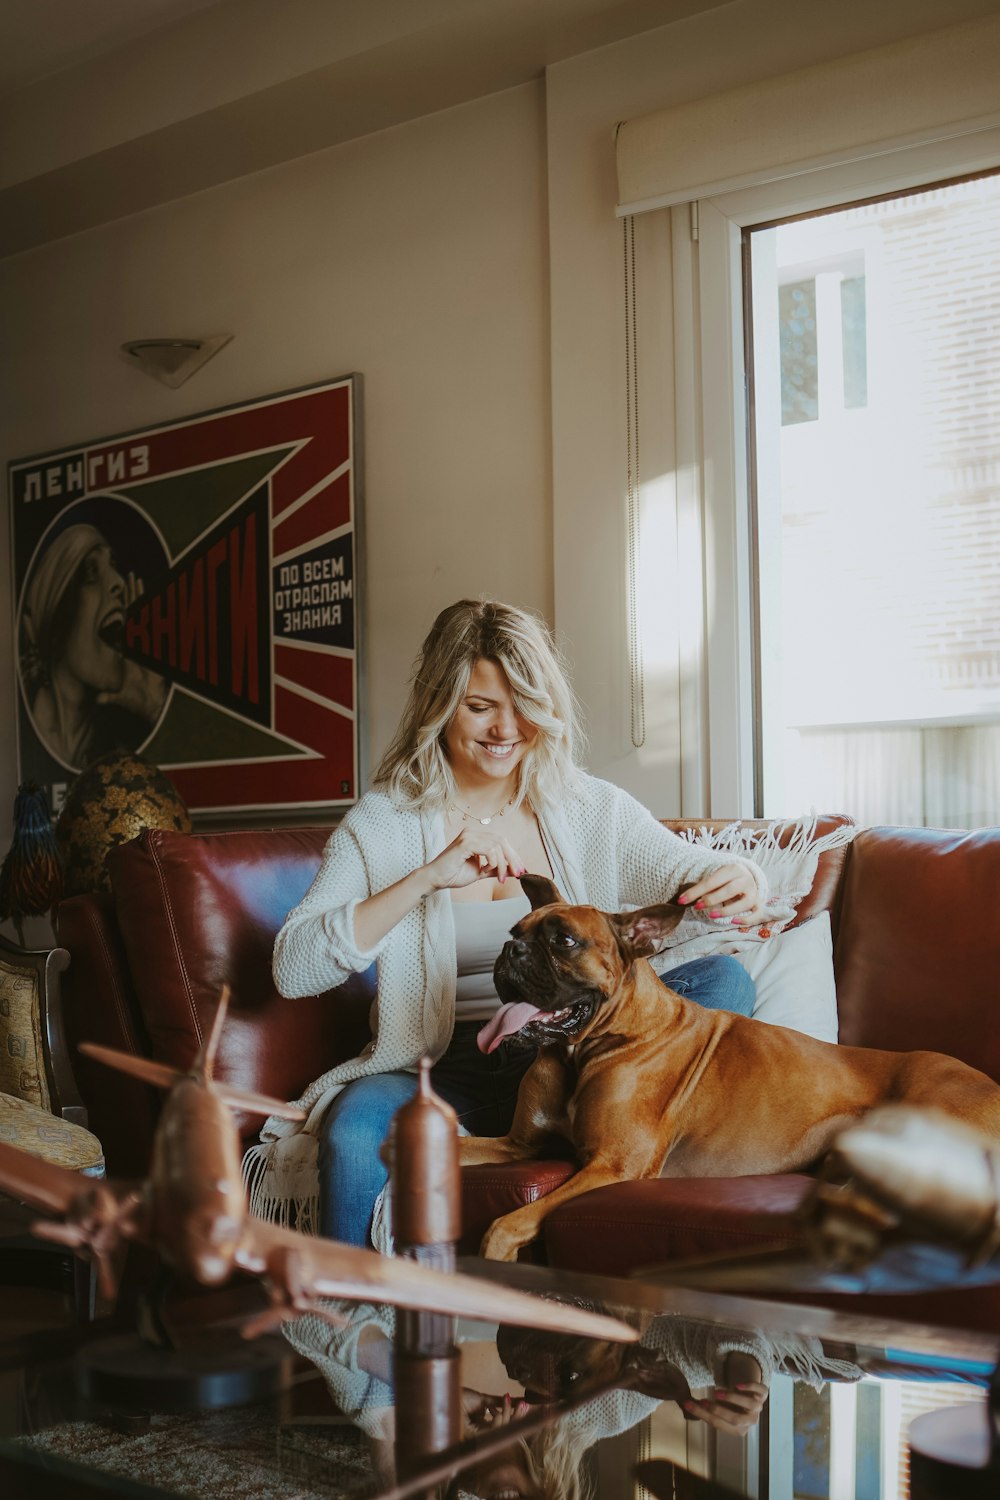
917,957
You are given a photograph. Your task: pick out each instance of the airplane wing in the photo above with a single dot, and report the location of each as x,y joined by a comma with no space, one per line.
40,1184
327,1268
162,1076
159,1074
258,1104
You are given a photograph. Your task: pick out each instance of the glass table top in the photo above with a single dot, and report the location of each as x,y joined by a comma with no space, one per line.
719,1395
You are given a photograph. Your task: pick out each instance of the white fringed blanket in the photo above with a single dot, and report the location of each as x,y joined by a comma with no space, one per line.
790,869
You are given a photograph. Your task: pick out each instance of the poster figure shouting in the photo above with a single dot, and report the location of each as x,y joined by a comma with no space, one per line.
192,591
84,695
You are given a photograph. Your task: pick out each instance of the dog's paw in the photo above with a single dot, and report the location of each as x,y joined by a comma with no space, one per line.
502,1242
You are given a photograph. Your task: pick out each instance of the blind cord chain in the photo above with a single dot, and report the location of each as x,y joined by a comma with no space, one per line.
636,676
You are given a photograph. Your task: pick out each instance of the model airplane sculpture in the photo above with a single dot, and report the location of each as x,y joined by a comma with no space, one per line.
908,1200
192,1210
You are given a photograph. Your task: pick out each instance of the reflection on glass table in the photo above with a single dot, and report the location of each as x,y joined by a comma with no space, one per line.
720,1395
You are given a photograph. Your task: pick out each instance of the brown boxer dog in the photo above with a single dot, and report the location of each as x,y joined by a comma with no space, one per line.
643,1083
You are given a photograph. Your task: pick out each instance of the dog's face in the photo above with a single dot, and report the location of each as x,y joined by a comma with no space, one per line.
554,1367
564,964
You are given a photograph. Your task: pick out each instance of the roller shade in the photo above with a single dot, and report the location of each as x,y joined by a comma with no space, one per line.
923,89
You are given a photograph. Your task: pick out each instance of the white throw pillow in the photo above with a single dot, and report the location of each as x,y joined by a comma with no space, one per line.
793,972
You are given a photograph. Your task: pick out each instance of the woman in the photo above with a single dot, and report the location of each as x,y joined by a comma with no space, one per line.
85,696
479,786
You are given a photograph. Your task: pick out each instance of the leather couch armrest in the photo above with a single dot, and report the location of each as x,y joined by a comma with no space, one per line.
99,1005
197,911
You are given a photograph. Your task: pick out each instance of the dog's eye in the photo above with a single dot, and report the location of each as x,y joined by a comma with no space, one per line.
562,940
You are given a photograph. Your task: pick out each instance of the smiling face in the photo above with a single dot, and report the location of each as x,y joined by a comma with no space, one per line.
487,738
93,648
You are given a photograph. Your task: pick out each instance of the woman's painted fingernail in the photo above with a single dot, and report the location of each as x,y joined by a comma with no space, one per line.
698,905
683,900
715,914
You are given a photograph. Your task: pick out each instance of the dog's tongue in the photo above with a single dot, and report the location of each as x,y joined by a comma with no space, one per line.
508,1019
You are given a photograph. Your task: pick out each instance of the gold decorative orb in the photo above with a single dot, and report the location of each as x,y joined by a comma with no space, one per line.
110,803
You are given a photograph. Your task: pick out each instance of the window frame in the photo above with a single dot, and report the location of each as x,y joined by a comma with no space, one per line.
720,719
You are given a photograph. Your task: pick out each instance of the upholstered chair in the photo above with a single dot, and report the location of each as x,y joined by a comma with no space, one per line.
40,1110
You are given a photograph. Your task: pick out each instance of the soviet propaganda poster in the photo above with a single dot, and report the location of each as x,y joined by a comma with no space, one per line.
191,591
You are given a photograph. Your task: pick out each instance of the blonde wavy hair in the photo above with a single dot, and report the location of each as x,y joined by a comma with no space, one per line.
415,767
552,1461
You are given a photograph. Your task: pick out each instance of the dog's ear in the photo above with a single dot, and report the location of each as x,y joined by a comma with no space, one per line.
641,932
539,890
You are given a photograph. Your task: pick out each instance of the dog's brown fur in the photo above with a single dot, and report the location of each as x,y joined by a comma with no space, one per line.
644,1083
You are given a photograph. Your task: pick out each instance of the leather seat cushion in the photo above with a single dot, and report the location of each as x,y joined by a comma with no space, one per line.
489,1191
630,1226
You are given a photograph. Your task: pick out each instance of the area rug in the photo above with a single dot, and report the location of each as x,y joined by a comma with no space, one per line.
235,1454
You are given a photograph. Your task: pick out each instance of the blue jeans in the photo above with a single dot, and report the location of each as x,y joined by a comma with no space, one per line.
719,982
481,1089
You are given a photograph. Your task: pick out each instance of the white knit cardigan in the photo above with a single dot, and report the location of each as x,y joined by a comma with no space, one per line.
605,849
696,1348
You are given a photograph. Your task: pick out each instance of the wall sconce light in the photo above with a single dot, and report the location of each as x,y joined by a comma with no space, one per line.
172,361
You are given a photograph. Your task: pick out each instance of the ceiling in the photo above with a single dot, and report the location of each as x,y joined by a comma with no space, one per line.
41,37
46,36
110,107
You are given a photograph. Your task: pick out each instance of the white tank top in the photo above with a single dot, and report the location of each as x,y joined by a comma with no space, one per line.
481,929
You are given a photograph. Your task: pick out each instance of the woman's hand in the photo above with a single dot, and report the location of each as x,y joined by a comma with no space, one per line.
730,891
733,1411
483,1412
475,854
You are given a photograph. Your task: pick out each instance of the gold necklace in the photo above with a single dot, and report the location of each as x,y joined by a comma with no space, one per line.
471,817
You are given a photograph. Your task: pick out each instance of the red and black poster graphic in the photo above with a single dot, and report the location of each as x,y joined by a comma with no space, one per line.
192,592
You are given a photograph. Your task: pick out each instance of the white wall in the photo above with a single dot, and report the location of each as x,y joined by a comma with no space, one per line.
417,257
427,257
